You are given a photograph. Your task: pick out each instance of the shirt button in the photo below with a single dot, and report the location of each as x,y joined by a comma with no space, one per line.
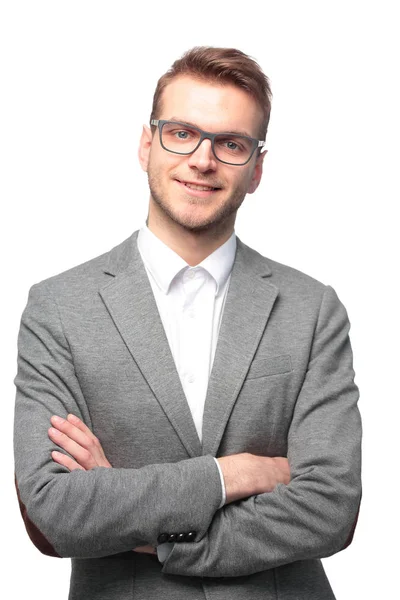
191,274
190,378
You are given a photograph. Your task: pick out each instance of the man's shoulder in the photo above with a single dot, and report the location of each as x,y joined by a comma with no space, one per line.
283,275
93,272
288,275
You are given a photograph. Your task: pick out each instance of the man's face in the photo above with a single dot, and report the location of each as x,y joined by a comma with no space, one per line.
213,108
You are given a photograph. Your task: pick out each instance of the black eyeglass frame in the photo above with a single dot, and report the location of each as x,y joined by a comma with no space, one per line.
206,135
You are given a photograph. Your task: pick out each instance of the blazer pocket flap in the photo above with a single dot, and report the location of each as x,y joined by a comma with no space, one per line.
273,365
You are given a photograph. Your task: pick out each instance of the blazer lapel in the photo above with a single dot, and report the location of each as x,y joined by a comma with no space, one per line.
247,308
131,304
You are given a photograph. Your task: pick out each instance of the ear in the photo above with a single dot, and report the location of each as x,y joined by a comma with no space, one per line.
257,173
144,147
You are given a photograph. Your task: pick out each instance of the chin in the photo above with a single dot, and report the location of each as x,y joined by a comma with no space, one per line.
194,224
190,214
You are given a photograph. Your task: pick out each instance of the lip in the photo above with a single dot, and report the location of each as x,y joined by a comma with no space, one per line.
198,193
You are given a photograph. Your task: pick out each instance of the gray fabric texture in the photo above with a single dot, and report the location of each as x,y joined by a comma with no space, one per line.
92,343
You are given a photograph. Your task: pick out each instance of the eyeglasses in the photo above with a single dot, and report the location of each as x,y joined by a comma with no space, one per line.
228,148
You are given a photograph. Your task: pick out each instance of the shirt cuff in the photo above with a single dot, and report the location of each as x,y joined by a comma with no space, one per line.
164,550
222,485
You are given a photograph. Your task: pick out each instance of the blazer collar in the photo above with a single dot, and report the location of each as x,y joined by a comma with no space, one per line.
130,302
164,264
121,257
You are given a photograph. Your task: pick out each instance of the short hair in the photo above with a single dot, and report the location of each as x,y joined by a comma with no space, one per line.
220,65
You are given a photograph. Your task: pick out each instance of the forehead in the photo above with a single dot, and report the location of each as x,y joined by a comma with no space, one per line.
211,106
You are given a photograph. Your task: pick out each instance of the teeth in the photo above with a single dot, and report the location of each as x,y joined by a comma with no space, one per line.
199,187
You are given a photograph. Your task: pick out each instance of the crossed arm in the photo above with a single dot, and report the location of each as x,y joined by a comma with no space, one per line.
106,510
244,474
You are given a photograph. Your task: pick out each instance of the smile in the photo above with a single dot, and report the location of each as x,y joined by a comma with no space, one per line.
203,190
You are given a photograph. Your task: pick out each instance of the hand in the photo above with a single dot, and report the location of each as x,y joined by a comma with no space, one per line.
246,474
75,437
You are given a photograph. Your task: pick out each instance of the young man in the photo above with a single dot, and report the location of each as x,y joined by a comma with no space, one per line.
202,395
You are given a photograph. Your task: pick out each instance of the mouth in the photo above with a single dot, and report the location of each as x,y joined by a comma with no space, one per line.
198,189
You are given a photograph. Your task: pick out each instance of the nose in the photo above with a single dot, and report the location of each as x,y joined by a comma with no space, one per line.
203,158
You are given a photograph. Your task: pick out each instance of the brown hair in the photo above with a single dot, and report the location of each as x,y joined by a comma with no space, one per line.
220,65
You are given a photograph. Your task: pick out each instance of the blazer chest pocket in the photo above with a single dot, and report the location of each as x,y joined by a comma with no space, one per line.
273,365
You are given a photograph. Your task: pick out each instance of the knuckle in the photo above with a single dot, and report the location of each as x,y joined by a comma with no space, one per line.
91,445
86,455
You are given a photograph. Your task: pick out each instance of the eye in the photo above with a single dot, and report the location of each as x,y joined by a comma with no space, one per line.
181,134
232,145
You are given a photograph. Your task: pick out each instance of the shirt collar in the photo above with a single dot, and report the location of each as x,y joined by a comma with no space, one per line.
164,264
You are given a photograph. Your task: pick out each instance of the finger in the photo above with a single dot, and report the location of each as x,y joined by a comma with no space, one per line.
88,441
145,550
81,455
81,425
72,431
66,461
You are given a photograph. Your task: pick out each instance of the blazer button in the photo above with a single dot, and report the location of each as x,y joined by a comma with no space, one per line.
189,537
181,537
171,538
163,537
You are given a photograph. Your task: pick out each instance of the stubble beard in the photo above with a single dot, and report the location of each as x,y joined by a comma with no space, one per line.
214,221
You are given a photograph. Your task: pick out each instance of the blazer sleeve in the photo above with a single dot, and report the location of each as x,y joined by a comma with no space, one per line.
314,515
103,511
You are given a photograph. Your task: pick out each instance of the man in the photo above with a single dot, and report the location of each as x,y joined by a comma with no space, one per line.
202,396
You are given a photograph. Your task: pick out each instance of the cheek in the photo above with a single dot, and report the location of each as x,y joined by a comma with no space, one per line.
165,164
241,181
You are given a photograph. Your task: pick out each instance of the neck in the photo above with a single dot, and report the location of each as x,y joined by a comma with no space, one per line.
192,246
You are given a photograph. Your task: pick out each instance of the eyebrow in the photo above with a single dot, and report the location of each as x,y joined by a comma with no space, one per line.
234,131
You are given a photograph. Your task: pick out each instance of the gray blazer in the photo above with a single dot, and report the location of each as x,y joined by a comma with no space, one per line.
92,343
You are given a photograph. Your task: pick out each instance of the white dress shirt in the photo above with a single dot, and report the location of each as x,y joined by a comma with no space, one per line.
190,301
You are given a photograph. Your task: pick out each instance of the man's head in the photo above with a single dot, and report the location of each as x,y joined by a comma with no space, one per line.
218,90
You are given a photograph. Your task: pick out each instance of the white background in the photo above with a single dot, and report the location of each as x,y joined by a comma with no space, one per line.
77,81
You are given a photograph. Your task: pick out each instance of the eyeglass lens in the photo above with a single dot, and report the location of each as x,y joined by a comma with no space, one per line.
228,148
